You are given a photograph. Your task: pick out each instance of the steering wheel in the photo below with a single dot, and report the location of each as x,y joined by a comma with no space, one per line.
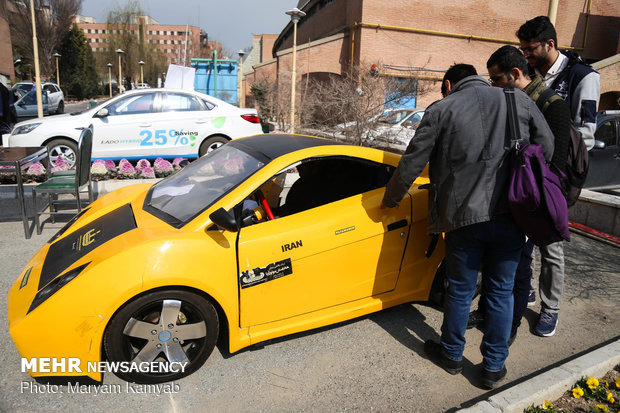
265,205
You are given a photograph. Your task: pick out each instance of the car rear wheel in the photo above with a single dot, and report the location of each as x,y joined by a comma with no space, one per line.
167,329
211,144
65,148
61,107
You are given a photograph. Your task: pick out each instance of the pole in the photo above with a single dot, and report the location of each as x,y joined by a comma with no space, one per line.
57,73
553,11
185,51
110,77
215,73
120,75
37,74
293,77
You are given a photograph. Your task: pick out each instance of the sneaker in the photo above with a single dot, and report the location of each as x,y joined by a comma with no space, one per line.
435,353
490,379
475,319
546,324
531,299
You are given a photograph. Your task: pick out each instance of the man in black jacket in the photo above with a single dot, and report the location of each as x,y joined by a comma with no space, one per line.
508,68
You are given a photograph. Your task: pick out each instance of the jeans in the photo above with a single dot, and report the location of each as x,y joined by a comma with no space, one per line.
495,246
522,284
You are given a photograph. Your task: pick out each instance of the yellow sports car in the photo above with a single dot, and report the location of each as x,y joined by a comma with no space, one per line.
267,236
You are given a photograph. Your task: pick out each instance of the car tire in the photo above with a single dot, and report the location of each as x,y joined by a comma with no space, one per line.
61,108
188,334
135,334
211,144
439,287
65,148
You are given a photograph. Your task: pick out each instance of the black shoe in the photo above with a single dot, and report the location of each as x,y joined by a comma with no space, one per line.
512,338
435,353
490,379
475,319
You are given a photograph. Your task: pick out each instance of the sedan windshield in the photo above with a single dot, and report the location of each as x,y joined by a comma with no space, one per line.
181,197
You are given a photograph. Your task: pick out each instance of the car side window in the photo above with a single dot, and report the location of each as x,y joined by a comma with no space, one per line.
606,132
311,183
132,105
176,102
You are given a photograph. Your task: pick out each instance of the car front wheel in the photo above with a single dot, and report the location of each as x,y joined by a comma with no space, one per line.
211,144
65,148
167,335
61,107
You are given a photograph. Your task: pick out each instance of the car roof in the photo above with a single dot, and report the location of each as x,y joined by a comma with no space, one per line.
273,145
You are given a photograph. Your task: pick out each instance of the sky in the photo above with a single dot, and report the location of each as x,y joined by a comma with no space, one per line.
230,22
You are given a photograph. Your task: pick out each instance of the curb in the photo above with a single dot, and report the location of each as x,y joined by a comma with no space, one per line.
551,384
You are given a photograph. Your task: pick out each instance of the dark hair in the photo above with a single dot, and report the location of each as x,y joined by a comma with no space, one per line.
506,58
539,29
456,73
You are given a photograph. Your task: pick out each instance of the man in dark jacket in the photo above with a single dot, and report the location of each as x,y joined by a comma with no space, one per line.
508,68
463,138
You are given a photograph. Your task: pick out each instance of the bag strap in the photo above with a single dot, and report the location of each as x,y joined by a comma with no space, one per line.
547,97
513,121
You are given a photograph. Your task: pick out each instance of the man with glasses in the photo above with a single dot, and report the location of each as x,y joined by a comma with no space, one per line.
508,68
564,72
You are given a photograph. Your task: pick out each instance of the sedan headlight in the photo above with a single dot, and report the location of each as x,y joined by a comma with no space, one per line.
25,129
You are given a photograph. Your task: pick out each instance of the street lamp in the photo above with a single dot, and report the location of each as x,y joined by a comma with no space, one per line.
119,52
295,14
110,77
57,55
141,63
241,53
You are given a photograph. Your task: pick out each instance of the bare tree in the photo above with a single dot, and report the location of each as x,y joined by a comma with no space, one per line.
53,20
356,100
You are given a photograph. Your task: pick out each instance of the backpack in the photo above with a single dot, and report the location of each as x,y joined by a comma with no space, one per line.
578,160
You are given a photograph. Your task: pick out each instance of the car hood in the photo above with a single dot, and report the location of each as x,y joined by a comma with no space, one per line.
53,120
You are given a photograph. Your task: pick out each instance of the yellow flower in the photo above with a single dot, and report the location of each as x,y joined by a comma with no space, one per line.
618,383
577,392
605,383
610,398
547,405
592,382
601,408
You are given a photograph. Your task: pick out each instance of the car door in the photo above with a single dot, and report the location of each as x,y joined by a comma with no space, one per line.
53,96
126,131
604,165
320,257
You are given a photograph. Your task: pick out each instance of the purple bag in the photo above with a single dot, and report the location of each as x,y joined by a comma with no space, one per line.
535,196
537,202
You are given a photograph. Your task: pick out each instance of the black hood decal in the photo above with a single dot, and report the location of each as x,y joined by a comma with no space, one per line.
70,249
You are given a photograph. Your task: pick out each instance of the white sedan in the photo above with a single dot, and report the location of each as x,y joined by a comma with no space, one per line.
144,123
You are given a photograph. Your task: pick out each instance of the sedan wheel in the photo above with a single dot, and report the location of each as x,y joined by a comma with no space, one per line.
174,331
212,144
64,148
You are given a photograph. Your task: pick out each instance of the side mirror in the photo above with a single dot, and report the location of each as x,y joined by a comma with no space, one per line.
102,113
407,124
599,144
224,219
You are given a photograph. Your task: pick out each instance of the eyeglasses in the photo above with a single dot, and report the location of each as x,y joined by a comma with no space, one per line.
530,49
494,80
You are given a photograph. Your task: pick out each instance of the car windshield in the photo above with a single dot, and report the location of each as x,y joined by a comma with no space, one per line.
181,197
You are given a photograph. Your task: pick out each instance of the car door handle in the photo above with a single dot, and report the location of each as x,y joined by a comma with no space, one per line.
200,121
397,224
145,125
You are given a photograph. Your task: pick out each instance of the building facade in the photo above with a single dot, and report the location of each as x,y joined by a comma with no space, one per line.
421,39
178,43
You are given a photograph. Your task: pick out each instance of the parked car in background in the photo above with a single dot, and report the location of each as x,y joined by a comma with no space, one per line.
143,86
143,123
26,106
397,126
604,168
55,95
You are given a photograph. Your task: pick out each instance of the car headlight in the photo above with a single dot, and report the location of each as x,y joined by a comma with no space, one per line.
25,129
55,285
